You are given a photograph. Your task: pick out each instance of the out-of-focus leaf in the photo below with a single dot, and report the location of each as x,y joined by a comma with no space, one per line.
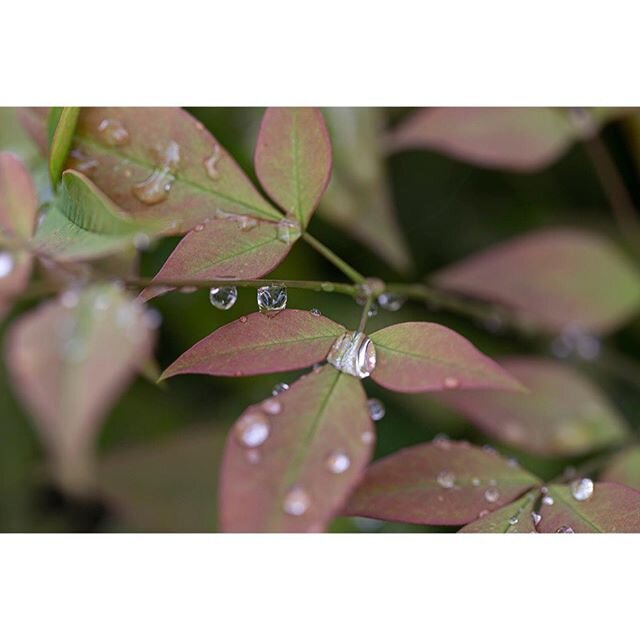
516,517
61,140
257,344
562,415
83,223
120,148
445,483
422,356
555,278
223,249
612,508
624,468
293,159
165,486
516,139
18,206
69,359
320,438
358,197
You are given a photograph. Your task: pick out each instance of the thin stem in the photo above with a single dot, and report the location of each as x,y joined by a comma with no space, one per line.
365,314
338,262
624,211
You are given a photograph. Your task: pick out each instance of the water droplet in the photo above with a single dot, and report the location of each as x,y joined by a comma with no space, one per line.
157,186
391,301
370,288
223,297
492,495
353,353
253,456
141,241
316,312
575,341
80,161
252,430
153,319
446,479
483,513
113,133
564,529
373,311
442,441
327,286
582,489
6,263
211,163
475,482
243,319
513,462
338,462
451,383
548,500
279,388
367,437
188,289
198,227
296,502
536,517
487,448
272,298
69,299
287,231
272,406
376,409
513,520
245,223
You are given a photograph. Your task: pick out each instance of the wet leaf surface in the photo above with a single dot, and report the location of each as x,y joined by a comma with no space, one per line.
516,517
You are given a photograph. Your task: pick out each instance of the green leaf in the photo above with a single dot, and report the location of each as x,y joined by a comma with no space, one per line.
293,159
319,439
624,468
358,198
563,414
613,508
63,122
82,223
516,517
555,278
443,483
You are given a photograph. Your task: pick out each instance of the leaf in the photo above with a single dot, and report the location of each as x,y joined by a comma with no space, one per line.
555,278
517,139
143,135
224,249
444,483
358,198
83,223
69,359
612,508
257,344
64,124
421,356
562,415
624,468
313,425
293,159
516,517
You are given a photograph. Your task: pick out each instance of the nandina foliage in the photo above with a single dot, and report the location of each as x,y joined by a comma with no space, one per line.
123,178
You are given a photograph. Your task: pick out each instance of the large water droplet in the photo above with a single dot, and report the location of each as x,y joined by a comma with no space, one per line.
376,409
391,301
211,163
353,353
113,133
279,388
252,430
548,500
6,263
446,479
492,495
564,529
223,297
296,502
157,186
475,482
315,312
338,462
582,489
287,231
272,298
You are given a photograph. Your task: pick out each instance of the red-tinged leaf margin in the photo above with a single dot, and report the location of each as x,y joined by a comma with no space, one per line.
322,413
613,508
293,159
413,357
405,487
258,343
63,130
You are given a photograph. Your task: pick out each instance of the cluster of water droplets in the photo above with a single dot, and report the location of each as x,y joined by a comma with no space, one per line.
244,222
113,132
353,353
574,341
157,186
81,161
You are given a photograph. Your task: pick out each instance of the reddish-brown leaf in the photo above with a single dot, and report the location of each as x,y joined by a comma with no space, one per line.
562,415
613,508
624,468
320,438
516,517
422,356
445,483
293,159
258,343
556,278
68,360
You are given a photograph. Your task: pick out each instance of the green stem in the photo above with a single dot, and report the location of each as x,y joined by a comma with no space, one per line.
365,314
338,262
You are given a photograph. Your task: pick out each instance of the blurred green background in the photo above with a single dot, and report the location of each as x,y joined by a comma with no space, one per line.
160,447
